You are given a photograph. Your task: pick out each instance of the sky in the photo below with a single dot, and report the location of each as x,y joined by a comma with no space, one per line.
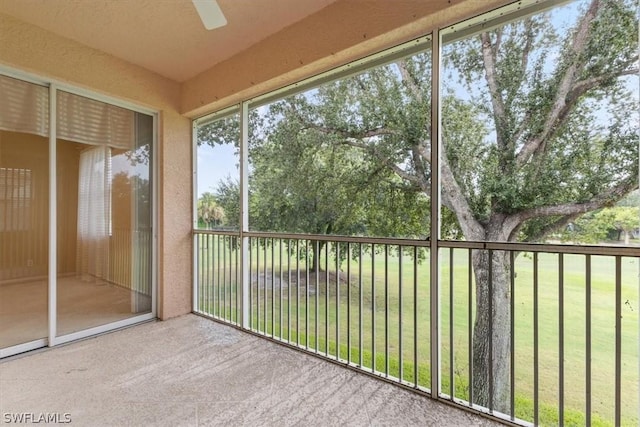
216,164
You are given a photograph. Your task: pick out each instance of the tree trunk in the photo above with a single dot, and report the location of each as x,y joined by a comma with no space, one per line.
316,250
491,337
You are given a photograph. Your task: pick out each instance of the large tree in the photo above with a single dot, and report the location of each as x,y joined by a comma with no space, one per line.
539,127
526,149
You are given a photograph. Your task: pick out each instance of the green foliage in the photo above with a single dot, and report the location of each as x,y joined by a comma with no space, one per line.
210,213
227,196
596,226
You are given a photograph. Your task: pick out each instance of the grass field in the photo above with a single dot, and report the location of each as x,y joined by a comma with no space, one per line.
364,305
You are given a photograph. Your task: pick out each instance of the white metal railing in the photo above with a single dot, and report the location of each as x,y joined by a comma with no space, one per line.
366,303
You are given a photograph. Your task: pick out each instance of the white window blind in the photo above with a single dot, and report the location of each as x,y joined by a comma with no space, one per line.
88,121
15,199
24,107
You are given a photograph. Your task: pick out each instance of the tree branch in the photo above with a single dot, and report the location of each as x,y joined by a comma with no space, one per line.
454,199
499,114
528,45
559,105
409,79
601,200
423,184
379,131
579,89
583,86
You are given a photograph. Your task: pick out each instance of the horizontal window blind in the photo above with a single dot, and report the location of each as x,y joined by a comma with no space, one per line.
24,107
88,121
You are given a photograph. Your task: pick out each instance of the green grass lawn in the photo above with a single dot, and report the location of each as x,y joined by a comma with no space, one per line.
316,317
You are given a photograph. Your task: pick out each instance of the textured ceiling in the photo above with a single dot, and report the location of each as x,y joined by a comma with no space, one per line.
164,36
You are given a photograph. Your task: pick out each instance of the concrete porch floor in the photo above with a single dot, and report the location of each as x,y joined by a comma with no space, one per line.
190,371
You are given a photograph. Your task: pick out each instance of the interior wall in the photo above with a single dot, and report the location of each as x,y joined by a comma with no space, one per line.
24,251
31,49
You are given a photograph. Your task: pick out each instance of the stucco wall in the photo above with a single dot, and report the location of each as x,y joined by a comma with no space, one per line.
34,50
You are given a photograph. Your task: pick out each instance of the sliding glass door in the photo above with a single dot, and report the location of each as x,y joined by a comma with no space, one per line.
85,185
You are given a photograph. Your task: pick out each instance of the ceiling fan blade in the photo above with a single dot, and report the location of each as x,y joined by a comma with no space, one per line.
210,13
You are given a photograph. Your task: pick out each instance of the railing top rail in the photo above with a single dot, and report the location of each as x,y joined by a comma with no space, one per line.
544,247
217,232
338,238
497,246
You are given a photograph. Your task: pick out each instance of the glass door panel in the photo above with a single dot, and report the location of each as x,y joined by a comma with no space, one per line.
24,211
104,213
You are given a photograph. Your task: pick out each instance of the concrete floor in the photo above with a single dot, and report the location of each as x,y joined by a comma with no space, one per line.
190,371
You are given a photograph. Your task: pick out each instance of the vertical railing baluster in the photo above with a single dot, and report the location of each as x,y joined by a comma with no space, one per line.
236,250
588,340
198,288
298,292
258,298
224,277
205,255
490,358
373,308
326,299
512,332
250,280
289,290
415,316
264,280
470,321
233,294
560,339
210,285
198,251
207,275
348,302
400,356
451,349
337,300
317,294
229,279
360,306
280,284
536,356
216,266
203,273
273,284
618,355
306,305
386,310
